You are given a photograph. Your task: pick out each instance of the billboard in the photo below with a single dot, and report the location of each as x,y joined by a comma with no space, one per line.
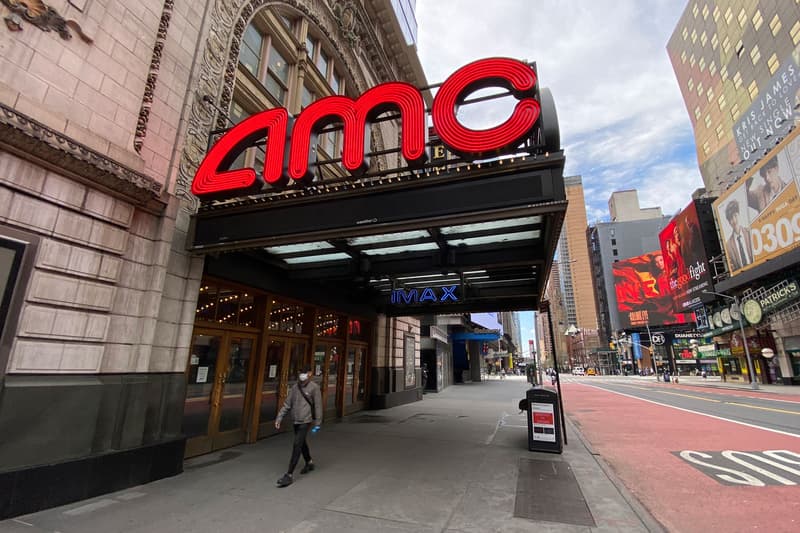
642,289
686,259
759,216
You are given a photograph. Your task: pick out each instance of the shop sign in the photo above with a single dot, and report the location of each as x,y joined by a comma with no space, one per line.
426,295
724,353
689,335
779,295
752,311
289,140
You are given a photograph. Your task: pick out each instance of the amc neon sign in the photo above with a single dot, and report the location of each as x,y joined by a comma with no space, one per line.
289,140
428,294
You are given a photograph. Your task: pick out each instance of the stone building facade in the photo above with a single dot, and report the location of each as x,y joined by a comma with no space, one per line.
105,113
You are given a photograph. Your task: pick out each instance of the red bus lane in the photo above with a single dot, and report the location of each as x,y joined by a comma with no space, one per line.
708,488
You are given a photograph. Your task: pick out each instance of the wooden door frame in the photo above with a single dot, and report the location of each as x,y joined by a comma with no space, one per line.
215,439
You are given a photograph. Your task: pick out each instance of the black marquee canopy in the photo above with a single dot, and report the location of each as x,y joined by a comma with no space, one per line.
479,236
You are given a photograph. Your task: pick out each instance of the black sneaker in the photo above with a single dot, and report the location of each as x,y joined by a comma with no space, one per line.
308,468
285,481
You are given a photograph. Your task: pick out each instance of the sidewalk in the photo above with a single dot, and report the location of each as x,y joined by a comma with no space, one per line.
453,462
717,383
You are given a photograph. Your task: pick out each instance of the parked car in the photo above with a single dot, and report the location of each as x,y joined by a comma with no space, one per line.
591,372
577,371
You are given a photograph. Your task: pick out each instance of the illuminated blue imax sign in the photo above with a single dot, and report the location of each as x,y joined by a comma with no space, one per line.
428,294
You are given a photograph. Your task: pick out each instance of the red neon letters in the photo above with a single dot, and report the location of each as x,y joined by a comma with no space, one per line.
288,146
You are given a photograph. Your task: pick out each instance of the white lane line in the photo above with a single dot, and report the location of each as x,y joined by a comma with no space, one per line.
695,412
88,508
131,495
17,520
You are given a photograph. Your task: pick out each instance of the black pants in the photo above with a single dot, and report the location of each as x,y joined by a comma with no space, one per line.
300,445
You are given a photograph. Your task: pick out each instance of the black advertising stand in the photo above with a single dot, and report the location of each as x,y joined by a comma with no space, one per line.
544,421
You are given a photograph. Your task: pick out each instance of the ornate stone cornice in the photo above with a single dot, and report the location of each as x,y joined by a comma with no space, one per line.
43,17
25,135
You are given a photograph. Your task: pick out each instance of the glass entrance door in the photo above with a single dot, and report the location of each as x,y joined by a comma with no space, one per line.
284,359
330,355
219,373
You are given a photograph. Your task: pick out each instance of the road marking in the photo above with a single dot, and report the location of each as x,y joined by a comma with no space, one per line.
694,412
691,396
131,495
88,508
17,520
771,470
764,408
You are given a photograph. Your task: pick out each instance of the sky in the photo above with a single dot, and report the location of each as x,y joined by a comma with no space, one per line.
623,122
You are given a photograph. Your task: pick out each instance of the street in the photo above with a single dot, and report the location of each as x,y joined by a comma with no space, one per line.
696,457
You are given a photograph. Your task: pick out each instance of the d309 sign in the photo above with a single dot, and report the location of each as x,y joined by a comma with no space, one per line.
289,141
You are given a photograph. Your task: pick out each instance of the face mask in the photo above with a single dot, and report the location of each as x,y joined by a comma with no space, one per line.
303,377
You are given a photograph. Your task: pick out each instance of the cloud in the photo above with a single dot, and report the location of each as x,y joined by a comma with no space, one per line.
623,122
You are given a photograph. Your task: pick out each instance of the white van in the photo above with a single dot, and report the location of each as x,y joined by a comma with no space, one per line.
577,371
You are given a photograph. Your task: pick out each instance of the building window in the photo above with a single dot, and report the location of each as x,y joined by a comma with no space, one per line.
697,112
721,102
699,89
714,41
705,11
742,17
614,252
728,15
277,78
250,52
739,48
307,96
695,10
737,80
710,94
613,242
712,68
720,131
775,25
758,20
706,148
694,36
716,13
702,64
685,33
752,90
726,45
795,32
708,121
773,63
755,54
690,84
735,112
692,60
723,72
703,38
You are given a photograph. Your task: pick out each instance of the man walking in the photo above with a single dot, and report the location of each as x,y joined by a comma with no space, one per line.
305,402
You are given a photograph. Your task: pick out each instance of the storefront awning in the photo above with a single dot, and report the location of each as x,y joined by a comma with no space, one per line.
474,237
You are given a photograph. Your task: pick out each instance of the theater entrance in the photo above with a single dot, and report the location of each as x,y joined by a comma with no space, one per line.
217,391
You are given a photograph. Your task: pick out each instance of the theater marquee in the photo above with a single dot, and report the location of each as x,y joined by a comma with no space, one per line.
289,139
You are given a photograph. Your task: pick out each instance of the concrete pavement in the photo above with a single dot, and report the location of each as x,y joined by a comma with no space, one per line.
450,463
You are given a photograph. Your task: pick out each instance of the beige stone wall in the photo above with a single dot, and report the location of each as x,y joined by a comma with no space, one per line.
390,353
100,282
575,223
93,92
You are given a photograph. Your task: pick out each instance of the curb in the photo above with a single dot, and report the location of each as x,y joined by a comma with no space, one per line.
648,520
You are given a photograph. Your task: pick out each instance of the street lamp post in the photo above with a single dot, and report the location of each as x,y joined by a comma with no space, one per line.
750,368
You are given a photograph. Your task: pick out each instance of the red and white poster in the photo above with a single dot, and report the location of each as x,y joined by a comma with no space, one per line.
544,422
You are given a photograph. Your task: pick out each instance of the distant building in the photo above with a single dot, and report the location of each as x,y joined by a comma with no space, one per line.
624,206
731,58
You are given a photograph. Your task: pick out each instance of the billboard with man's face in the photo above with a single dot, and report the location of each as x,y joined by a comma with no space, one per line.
759,216
642,289
685,258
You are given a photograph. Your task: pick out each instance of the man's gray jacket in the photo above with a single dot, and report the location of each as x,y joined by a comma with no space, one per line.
300,408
